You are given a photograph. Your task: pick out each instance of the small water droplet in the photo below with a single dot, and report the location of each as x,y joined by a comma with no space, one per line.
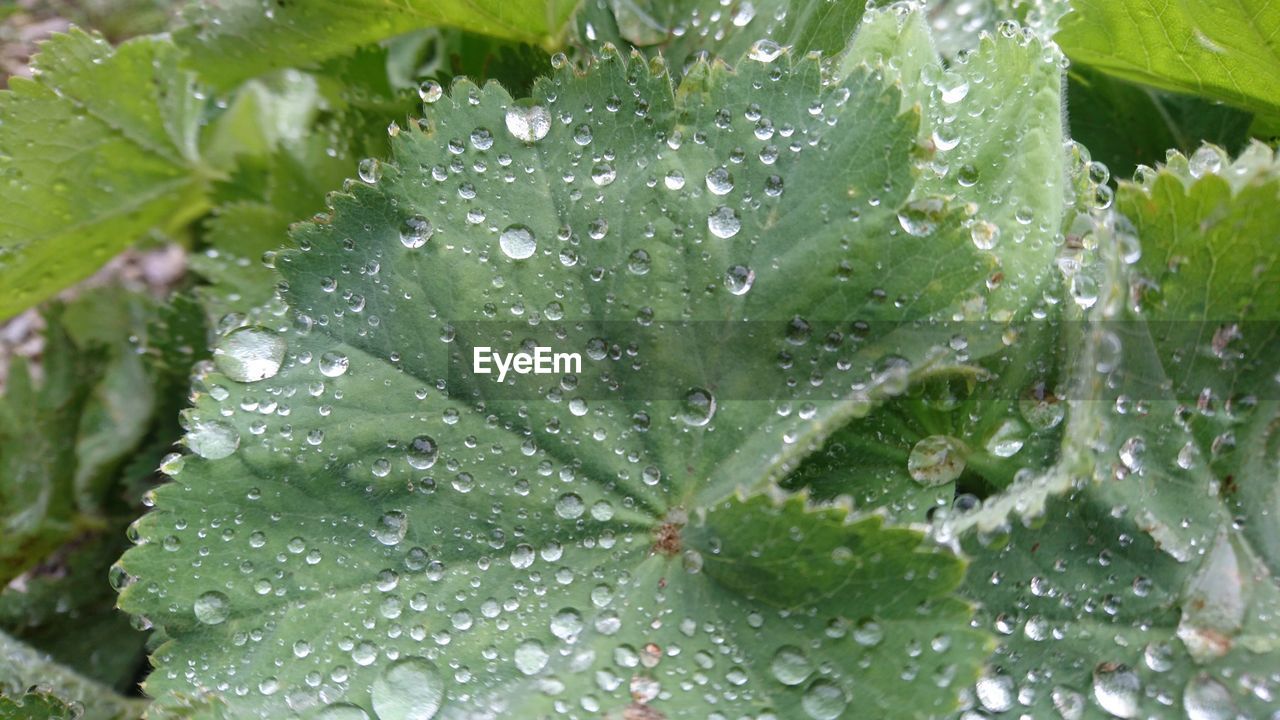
422,452
765,51
739,279
430,91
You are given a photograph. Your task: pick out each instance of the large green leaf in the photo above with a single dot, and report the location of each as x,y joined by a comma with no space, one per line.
231,41
1153,584
1224,50
23,667
100,147
745,261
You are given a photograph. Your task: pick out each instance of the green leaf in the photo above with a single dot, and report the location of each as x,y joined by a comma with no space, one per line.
1224,51
97,149
35,706
38,433
360,509
1126,125
22,667
1152,582
232,41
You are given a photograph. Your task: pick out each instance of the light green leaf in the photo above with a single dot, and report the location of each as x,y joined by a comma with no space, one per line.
365,520
99,148
1152,584
232,41
1224,51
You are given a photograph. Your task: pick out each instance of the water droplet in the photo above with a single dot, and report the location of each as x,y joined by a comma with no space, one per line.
517,242
723,222
567,624
698,407
824,700
430,91
720,181
333,364
212,608
765,51
409,689
531,657
603,174
391,527
936,460
1117,689
422,452
342,711
920,218
570,506
369,170
995,692
250,354
739,279
1007,439
528,123
212,439
415,232
984,234
1208,699
790,665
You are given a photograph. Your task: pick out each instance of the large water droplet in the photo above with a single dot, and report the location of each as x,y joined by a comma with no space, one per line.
517,242
250,354
936,460
1208,699
529,123
790,665
409,689
415,232
723,222
824,700
212,439
995,692
765,51
391,527
212,608
342,711
1117,689
720,181
739,279
430,91
423,452
333,364
531,657
698,407
920,218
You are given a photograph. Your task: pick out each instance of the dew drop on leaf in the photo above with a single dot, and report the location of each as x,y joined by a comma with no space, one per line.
391,528
723,222
1207,699
415,232
212,608
1117,689
824,700
528,123
531,657
739,279
430,91
333,364
409,689
250,354
212,439
720,181
790,665
765,51
936,460
422,452
698,407
517,242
